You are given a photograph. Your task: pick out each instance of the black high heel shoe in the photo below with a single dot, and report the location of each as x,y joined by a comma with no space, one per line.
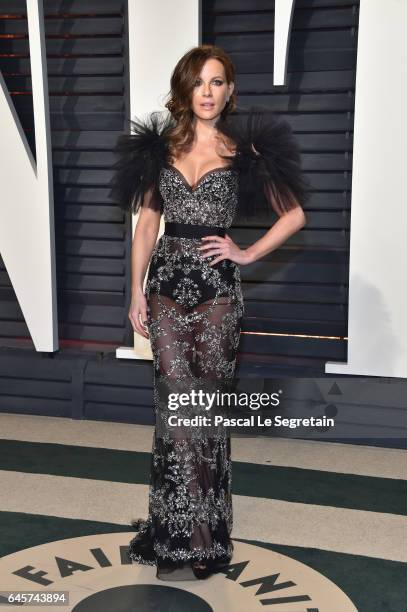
201,569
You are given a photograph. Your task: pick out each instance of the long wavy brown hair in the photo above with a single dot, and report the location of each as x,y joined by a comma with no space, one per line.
182,84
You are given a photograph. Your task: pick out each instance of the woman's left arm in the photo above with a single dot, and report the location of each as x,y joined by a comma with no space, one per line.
269,161
291,219
224,248
288,224
289,210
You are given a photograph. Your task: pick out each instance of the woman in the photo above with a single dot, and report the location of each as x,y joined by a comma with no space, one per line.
202,169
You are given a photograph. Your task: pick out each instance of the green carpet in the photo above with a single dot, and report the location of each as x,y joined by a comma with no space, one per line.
272,482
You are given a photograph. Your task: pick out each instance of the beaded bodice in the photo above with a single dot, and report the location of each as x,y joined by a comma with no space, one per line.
212,201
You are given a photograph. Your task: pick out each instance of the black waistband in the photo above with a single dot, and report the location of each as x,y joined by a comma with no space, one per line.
188,230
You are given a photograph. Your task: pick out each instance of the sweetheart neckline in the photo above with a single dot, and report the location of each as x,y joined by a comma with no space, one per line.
193,188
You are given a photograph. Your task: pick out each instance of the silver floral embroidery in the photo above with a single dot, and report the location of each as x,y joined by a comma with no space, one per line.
187,292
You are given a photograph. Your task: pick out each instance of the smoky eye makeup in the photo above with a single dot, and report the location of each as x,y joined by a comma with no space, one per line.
216,80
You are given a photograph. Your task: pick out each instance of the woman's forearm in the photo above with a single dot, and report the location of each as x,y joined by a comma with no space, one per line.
144,241
287,225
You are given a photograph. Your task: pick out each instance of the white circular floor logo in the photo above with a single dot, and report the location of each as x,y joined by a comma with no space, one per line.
99,576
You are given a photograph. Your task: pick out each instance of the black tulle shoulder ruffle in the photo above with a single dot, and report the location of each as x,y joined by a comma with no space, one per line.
141,155
272,176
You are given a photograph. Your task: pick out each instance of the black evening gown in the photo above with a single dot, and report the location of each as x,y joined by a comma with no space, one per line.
195,315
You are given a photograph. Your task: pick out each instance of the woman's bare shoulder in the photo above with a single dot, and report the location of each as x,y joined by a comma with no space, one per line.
226,146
